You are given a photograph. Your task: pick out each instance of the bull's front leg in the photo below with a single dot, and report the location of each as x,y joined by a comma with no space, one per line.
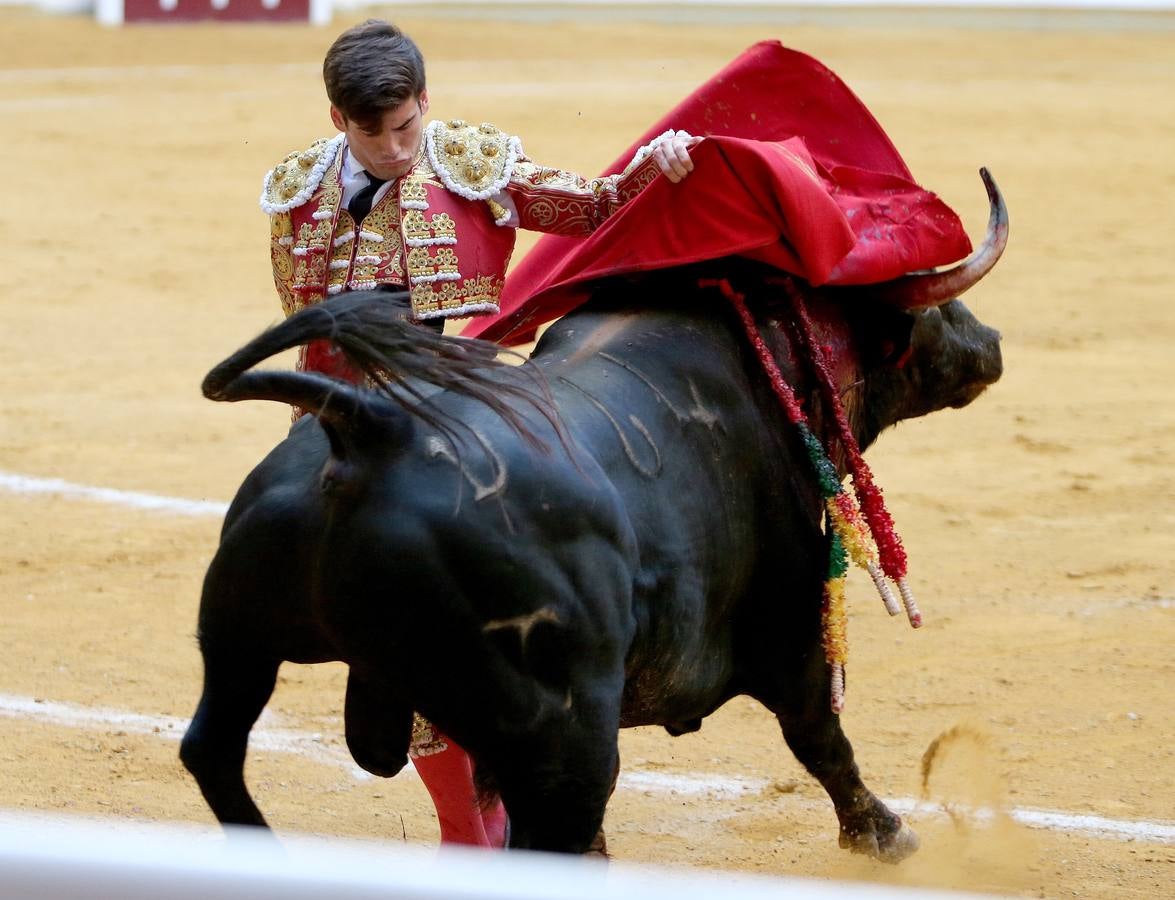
788,673
866,824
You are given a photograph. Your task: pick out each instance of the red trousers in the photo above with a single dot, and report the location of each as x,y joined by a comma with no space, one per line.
448,776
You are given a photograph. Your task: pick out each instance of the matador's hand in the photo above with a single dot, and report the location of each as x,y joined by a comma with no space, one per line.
672,156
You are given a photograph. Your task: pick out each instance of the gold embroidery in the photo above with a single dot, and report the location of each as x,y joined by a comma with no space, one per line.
281,226
446,260
301,275
476,172
483,287
314,248
290,175
443,226
412,191
446,294
310,266
281,243
559,202
311,235
426,740
422,263
415,226
450,297
419,262
473,157
311,252
419,228
380,240
341,252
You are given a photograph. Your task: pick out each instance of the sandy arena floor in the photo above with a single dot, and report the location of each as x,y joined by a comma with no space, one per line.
1039,522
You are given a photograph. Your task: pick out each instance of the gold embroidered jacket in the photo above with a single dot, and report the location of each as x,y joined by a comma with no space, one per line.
444,231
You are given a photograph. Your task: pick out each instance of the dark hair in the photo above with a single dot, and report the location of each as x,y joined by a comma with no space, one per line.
371,68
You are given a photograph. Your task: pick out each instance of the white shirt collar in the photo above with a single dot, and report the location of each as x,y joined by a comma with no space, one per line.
354,178
351,167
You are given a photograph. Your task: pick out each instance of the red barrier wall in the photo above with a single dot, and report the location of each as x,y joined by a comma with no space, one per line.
206,10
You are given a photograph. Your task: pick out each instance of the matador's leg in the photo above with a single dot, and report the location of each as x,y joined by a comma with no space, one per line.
447,773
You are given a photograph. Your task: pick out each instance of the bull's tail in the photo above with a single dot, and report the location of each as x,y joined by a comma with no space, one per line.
397,355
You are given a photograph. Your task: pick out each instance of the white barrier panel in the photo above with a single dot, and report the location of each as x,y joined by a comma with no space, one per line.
782,5
113,12
84,859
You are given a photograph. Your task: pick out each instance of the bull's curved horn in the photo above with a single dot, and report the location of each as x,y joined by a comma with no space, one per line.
927,289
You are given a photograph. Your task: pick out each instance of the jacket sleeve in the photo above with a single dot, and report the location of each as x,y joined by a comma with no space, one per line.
555,201
281,252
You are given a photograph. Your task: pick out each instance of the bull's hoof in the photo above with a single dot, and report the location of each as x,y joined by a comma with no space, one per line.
598,848
891,847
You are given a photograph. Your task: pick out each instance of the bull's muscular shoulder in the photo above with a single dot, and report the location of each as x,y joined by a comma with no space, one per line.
295,179
474,161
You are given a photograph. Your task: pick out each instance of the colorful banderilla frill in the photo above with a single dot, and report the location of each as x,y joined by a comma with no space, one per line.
853,535
881,526
835,620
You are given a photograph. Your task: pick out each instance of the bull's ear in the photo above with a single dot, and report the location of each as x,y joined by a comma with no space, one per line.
885,339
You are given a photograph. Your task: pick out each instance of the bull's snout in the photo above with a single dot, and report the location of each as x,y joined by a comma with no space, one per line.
991,360
978,360
984,366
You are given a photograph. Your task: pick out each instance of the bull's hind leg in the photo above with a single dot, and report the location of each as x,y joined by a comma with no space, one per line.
813,733
556,788
236,689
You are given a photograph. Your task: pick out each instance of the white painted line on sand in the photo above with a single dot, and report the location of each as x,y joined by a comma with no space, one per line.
313,746
23,484
266,739
725,787
1051,820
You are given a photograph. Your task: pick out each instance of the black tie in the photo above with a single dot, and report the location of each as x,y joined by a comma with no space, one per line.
360,204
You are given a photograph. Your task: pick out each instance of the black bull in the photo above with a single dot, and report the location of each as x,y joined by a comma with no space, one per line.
623,531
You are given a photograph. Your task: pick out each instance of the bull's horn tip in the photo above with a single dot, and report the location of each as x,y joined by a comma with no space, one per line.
989,182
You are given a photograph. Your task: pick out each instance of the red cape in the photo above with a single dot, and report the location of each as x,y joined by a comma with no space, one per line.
814,187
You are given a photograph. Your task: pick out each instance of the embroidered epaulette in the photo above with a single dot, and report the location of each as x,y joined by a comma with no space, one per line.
474,161
292,181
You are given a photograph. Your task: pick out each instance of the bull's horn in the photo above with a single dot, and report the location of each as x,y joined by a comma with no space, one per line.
935,288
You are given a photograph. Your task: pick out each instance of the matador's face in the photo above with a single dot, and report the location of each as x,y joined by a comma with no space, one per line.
386,149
